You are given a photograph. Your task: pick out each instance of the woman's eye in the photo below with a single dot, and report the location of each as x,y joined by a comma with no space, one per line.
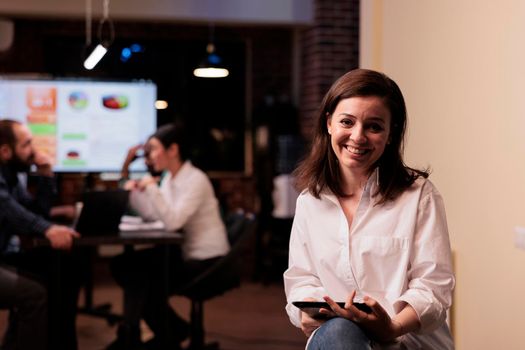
347,122
376,127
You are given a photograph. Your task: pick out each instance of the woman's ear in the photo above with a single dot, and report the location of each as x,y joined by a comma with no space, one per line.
173,150
328,123
390,137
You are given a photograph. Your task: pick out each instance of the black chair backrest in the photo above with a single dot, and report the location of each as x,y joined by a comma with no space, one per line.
225,274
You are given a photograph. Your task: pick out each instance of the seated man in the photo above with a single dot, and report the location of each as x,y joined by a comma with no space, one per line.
23,214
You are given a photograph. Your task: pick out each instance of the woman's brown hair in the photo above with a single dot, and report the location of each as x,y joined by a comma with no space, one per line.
320,169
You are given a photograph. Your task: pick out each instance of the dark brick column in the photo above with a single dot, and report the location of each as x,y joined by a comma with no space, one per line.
329,49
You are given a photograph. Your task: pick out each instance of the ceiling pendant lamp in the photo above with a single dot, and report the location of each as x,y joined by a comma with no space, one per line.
211,66
102,47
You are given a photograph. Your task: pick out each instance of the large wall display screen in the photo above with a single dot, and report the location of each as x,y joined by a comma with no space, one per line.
84,125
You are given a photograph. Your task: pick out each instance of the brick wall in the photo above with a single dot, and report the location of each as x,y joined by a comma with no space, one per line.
329,49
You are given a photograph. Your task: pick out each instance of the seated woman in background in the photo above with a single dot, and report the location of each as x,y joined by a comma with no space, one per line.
368,229
184,201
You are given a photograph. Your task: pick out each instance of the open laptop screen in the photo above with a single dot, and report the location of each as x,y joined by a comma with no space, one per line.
101,212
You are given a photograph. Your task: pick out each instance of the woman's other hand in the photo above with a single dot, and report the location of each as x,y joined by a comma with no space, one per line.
146,181
130,157
131,185
132,154
308,323
377,324
140,184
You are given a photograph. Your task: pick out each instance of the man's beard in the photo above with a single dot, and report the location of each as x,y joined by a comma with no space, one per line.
20,165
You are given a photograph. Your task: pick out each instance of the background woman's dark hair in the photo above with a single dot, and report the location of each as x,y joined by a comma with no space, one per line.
321,169
169,134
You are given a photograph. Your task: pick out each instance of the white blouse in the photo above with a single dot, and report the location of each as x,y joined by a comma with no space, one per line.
186,202
396,253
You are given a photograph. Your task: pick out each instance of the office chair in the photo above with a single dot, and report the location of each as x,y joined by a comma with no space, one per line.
221,277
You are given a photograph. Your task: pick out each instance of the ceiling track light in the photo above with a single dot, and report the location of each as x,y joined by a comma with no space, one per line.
104,43
95,56
211,67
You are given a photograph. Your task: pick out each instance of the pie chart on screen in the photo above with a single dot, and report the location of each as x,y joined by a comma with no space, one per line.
73,154
78,100
115,101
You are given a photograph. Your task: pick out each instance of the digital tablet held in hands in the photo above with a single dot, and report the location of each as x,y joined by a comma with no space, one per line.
312,307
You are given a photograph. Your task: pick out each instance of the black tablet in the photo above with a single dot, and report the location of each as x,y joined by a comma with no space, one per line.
312,307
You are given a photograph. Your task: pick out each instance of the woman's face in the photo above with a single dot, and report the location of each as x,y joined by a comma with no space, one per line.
360,130
158,156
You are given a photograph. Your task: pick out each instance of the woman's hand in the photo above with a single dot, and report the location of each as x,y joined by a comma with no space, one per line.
141,184
377,324
130,157
146,181
308,323
131,185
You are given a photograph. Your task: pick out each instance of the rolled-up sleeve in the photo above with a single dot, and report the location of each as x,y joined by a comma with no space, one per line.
175,213
140,202
430,277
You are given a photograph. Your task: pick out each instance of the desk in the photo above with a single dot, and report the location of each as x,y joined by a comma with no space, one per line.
127,239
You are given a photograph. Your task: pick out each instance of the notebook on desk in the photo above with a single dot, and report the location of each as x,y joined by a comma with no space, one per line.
101,212
136,223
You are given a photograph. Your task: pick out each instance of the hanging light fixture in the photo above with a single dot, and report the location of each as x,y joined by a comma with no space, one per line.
102,47
211,66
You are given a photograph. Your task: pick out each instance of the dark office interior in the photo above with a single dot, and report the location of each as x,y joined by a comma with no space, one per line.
278,73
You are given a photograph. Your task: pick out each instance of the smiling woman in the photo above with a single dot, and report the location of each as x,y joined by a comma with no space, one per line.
382,225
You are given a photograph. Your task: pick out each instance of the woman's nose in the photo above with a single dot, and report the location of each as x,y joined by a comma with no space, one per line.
358,134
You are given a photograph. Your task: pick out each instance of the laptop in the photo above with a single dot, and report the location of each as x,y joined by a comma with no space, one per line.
101,212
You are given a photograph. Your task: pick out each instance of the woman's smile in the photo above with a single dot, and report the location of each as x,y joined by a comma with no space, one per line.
356,151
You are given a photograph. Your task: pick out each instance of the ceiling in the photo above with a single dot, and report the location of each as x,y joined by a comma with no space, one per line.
265,12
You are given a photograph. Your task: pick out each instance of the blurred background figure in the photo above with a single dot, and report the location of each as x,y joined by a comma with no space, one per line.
26,276
184,202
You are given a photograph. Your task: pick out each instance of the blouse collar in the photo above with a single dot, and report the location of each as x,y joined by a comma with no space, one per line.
371,187
181,174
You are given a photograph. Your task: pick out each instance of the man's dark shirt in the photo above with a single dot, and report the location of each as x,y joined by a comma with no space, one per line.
21,213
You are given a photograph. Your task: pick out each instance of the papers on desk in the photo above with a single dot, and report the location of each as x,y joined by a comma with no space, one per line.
134,223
